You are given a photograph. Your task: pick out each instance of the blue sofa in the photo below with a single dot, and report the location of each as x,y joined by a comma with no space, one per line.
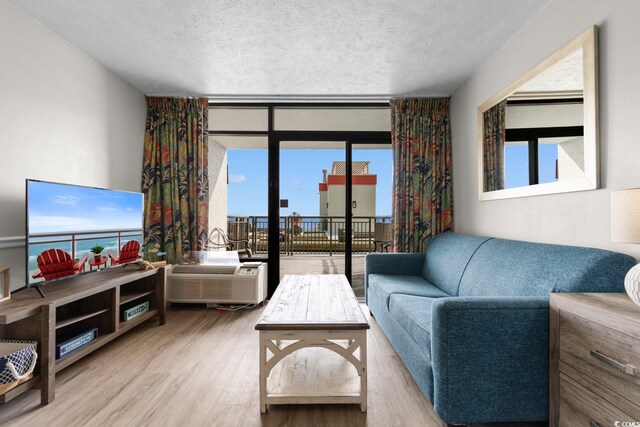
470,319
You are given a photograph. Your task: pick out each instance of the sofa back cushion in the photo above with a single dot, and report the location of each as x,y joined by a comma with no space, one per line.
513,268
447,257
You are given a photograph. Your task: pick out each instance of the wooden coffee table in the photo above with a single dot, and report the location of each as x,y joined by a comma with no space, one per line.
312,311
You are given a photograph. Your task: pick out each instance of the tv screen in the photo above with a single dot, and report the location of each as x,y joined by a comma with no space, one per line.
65,222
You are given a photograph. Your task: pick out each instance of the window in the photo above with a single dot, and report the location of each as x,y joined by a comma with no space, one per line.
542,155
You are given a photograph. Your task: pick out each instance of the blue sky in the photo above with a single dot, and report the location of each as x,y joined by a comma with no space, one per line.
67,208
300,173
516,160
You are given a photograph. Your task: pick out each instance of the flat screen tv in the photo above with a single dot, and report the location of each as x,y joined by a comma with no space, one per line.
65,222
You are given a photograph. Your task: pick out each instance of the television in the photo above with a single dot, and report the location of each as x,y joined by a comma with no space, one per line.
65,222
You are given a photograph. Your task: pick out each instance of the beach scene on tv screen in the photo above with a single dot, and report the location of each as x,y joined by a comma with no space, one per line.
74,220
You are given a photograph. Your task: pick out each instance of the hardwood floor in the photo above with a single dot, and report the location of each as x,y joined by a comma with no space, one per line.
201,369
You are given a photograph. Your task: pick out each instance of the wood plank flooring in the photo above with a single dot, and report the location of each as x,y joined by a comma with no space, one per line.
201,369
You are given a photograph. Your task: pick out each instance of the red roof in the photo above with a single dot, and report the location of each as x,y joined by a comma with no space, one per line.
356,179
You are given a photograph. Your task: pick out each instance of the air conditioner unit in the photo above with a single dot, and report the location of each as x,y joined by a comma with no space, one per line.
244,283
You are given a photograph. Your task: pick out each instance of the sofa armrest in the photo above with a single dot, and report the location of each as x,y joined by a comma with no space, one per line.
490,354
394,263
409,264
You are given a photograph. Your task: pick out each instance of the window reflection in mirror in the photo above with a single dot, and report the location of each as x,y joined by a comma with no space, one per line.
548,167
541,152
534,133
516,164
543,118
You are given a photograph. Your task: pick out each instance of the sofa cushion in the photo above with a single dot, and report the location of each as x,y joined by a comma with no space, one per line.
413,355
514,268
413,313
386,285
447,257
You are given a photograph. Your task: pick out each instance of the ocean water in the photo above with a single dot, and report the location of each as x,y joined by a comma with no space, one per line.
82,247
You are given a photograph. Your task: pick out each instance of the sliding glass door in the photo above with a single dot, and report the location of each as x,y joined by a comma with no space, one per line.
312,202
372,174
315,220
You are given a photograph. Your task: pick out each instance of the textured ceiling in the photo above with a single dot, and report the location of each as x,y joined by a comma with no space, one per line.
287,47
565,75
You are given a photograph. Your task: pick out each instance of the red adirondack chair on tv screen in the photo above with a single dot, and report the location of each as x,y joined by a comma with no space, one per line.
56,263
129,253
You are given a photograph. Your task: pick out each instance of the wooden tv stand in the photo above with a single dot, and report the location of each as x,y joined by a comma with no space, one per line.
73,306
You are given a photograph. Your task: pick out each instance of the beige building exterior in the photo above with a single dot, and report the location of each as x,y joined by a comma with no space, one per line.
332,191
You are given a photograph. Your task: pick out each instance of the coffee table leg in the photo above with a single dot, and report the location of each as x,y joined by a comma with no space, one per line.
263,374
363,373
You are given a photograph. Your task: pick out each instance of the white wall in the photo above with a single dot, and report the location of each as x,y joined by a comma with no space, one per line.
63,118
352,119
543,115
571,159
217,185
580,218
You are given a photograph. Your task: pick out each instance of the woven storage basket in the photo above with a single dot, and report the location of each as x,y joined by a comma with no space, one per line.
17,361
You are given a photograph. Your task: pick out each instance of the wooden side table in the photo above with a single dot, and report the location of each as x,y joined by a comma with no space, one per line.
95,263
594,360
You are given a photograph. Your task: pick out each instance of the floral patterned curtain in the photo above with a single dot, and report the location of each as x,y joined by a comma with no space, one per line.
422,187
175,177
493,140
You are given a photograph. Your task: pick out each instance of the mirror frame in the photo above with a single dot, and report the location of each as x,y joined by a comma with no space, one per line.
588,41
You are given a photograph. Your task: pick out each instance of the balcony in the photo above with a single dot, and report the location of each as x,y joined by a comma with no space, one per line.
311,234
78,243
313,244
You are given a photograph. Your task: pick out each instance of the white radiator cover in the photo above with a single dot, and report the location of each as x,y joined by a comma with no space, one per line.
223,284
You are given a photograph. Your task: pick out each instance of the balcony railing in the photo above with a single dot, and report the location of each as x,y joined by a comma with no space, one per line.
311,234
79,243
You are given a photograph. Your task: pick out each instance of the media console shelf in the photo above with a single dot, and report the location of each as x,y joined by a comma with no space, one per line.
75,306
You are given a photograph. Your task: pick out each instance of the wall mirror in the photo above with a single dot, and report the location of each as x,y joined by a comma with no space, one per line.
539,135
